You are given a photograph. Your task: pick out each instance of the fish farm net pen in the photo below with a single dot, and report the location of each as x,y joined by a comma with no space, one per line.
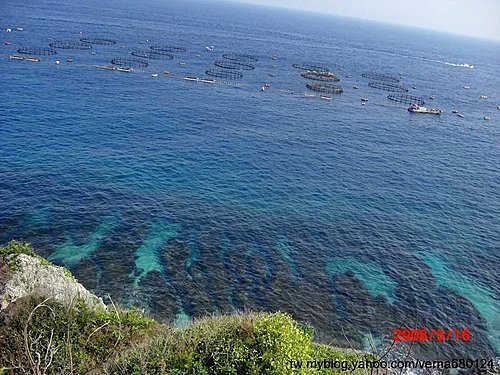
221,73
100,41
153,55
405,99
320,76
129,63
380,77
70,45
387,86
37,51
240,57
311,67
325,88
168,48
234,64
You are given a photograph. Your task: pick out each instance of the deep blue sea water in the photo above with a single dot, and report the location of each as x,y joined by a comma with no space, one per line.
189,198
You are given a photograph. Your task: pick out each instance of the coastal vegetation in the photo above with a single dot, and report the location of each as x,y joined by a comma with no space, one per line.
47,335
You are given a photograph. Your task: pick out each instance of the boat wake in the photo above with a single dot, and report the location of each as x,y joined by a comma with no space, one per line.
462,65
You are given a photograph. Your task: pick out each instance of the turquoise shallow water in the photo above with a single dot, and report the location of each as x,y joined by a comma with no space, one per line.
190,198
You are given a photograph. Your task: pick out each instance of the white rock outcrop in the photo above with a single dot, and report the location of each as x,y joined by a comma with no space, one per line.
34,276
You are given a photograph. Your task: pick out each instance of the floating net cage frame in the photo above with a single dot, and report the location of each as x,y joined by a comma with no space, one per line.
100,41
320,76
325,88
240,57
129,63
234,64
406,99
380,77
387,86
168,48
37,51
153,55
222,73
311,67
70,45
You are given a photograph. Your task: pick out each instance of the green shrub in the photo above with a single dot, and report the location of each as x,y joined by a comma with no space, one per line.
37,333
259,344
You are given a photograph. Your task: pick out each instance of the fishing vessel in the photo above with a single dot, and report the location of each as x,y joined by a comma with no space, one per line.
415,108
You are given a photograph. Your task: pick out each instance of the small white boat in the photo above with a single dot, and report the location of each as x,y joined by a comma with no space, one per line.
93,53
460,115
267,85
431,98
209,48
57,62
16,57
69,61
33,59
125,70
415,108
109,67
487,118
325,97
355,87
7,43
208,80
364,100
454,111
191,78
262,88
182,63
307,95
19,29
154,75
466,87
8,30
414,87
483,97
166,72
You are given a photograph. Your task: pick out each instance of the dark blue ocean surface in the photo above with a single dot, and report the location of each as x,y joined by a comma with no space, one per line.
193,198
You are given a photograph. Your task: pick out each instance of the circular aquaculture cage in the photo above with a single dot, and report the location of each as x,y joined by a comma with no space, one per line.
240,57
325,88
100,41
320,76
37,51
168,48
153,55
311,67
387,86
406,99
380,77
222,73
70,45
129,63
234,64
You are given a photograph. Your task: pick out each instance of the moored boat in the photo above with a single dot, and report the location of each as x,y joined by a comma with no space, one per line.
415,108
207,80
191,78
